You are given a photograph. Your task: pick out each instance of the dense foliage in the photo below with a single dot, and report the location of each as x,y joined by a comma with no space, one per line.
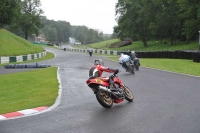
9,10
29,20
147,19
56,31
60,31
86,35
22,17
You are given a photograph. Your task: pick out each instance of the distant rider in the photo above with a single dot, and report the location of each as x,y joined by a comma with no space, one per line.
123,58
98,69
134,56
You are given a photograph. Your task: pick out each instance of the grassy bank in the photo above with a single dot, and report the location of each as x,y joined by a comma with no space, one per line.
99,45
12,45
28,89
153,45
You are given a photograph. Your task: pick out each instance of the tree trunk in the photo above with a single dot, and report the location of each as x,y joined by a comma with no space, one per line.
187,41
144,40
161,39
171,38
26,35
144,37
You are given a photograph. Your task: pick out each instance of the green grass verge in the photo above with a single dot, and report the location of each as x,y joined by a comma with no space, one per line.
28,89
173,65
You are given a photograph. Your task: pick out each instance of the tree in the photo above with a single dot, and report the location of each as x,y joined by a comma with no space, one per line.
189,16
56,31
29,20
50,33
9,10
86,35
133,19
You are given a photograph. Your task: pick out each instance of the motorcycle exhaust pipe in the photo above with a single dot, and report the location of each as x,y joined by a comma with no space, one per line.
105,89
109,91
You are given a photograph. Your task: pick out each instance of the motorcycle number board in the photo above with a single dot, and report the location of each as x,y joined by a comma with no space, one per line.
98,80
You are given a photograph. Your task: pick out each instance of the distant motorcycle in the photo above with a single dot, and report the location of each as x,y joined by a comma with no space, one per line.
135,59
136,63
104,95
128,65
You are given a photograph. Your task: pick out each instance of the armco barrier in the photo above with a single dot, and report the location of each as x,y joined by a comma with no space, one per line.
98,51
196,57
187,54
21,58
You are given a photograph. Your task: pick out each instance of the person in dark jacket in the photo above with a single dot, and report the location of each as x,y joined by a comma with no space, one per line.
132,54
90,52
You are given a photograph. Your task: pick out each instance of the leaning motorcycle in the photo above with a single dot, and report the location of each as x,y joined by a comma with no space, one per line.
128,65
107,97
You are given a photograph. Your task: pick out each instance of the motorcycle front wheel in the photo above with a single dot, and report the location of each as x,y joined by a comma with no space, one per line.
131,69
128,94
104,99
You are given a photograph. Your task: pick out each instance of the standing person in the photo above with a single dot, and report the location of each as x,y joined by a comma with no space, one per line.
90,52
98,69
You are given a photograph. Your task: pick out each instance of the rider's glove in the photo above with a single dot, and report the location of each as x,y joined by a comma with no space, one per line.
116,71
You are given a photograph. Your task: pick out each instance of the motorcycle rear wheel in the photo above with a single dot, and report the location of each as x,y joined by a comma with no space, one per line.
128,94
104,99
137,66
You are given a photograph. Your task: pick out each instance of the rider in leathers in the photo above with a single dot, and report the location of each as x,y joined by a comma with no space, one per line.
97,70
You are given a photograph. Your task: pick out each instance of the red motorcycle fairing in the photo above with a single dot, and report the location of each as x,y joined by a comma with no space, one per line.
100,81
116,80
118,100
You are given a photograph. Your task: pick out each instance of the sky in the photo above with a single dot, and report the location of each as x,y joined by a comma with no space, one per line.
95,14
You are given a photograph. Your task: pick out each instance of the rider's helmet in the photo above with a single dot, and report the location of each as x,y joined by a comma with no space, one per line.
98,62
121,53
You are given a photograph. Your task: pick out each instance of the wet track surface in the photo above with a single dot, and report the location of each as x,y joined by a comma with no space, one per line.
164,102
